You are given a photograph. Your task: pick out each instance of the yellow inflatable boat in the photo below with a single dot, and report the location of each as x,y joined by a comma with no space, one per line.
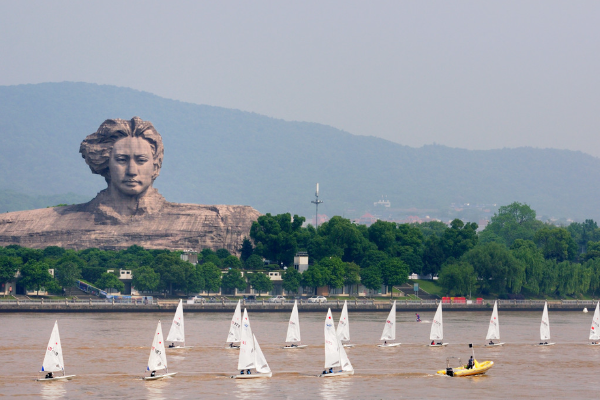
478,369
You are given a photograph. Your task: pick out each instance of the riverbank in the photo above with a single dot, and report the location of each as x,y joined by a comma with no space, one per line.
359,306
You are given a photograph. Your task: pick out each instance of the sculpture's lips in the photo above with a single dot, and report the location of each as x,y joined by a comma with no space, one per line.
131,182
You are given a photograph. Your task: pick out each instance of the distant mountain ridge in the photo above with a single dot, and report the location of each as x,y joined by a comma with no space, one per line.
221,156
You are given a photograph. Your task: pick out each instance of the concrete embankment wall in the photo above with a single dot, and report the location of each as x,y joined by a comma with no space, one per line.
287,307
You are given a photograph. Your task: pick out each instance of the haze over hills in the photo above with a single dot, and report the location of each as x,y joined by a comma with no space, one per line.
221,156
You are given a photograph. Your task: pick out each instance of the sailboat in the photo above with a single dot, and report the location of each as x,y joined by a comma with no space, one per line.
437,329
176,333
53,360
389,330
545,327
595,328
343,328
293,332
494,328
158,358
336,359
235,329
251,356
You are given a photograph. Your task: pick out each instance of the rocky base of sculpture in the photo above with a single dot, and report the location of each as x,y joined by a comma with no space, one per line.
164,225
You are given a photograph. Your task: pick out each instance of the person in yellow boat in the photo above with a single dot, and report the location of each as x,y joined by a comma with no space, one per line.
471,363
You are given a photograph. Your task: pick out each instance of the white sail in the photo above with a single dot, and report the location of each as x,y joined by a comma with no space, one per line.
260,362
236,325
246,360
344,361
494,328
53,360
293,332
176,334
595,329
545,325
332,352
158,357
343,328
437,326
389,330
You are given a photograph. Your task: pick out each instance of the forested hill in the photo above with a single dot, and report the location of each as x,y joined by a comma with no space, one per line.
221,156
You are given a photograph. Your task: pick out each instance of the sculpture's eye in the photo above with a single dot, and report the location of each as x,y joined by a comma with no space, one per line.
142,159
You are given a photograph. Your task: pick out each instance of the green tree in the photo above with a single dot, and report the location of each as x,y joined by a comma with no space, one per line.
556,243
352,275
499,271
67,273
592,251
457,278
173,271
254,262
276,236
433,255
145,279
315,276
232,262
528,254
371,278
585,232
246,250
109,281
260,282
223,253
212,277
340,237
233,279
35,275
512,222
394,272
291,280
336,270
459,239
196,282
8,267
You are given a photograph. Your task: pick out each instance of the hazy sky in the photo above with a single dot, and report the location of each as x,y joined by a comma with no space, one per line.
470,74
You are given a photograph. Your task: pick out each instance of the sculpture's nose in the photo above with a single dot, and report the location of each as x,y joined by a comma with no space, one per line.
132,167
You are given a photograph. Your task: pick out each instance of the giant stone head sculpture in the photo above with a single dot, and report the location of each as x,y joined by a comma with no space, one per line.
128,154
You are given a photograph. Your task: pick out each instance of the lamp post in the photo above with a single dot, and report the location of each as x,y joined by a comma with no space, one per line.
316,202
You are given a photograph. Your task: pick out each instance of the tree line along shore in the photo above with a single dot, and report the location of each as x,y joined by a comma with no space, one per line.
516,256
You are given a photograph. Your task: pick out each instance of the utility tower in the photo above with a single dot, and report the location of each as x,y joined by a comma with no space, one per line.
317,202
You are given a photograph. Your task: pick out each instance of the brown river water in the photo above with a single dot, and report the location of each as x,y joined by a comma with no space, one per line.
108,353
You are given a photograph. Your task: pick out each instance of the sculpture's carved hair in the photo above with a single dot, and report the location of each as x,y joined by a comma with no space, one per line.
96,148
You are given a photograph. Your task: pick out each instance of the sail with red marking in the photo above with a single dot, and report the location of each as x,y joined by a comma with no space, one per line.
158,356
177,334
494,328
53,360
595,328
389,330
332,343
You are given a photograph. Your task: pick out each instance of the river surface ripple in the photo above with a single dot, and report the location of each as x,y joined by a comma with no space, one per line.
108,353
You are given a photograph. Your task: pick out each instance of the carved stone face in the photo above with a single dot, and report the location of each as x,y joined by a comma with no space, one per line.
131,166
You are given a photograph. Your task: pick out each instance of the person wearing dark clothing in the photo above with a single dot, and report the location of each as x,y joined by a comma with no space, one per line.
242,372
153,373
471,363
331,370
247,372
49,375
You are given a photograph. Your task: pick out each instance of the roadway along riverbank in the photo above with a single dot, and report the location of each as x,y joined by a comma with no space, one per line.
369,306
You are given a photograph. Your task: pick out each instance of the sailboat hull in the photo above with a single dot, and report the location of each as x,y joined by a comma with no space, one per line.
546,344
351,345
179,347
300,346
256,375
389,345
438,345
494,345
157,377
234,347
57,378
334,374
595,344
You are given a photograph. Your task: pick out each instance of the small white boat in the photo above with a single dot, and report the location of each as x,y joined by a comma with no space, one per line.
595,328
336,359
53,360
494,328
235,329
545,328
293,331
177,334
437,329
158,357
343,328
251,356
389,329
